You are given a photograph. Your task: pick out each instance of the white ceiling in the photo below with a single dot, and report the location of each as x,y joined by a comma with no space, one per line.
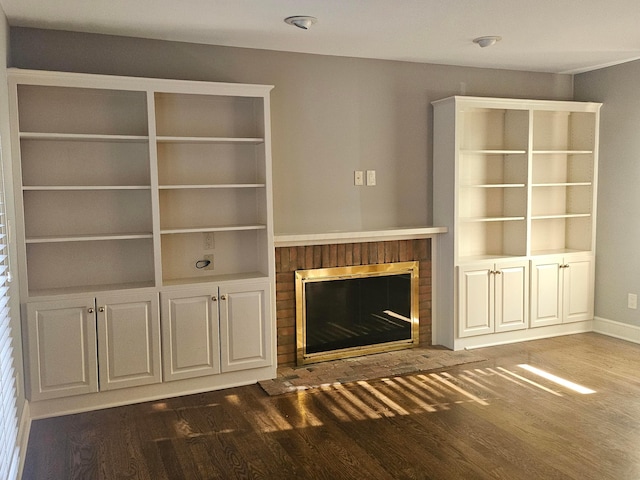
562,36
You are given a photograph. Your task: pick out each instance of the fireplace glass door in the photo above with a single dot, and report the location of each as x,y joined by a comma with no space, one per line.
343,312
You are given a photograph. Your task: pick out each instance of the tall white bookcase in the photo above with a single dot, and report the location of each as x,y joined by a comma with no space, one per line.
145,236
515,182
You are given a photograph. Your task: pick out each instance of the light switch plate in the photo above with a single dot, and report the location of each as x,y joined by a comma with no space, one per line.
371,178
358,178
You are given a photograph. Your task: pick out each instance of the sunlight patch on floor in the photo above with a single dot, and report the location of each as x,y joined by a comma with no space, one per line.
557,380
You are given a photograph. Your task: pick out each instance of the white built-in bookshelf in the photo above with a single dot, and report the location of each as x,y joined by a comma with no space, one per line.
514,181
131,185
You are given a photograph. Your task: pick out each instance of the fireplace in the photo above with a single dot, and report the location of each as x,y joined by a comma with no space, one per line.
356,310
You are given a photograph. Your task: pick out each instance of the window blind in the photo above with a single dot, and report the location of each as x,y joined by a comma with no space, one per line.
9,449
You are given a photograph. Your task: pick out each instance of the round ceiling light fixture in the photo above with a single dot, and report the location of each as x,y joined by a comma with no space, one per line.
487,41
301,21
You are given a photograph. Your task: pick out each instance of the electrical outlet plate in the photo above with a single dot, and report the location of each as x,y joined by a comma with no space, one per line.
209,241
632,301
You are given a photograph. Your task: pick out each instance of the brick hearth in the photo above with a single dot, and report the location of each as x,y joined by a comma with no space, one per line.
290,259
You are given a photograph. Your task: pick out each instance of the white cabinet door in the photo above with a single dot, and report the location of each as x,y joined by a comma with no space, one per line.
128,340
475,300
61,342
561,289
493,298
190,332
511,296
244,326
578,288
546,291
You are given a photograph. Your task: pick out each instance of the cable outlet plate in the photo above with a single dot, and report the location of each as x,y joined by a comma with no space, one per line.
211,264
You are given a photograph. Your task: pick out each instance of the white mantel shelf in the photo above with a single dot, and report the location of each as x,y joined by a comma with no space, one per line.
397,233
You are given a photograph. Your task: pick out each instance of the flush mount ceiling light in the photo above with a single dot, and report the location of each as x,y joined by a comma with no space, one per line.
487,41
301,21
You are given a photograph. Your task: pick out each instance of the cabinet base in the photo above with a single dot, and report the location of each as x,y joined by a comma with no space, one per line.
521,335
115,398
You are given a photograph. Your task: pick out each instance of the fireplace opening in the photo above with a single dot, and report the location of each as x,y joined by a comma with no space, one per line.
351,311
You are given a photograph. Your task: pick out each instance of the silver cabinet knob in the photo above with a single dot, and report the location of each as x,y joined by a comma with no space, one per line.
214,298
223,297
101,309
90,310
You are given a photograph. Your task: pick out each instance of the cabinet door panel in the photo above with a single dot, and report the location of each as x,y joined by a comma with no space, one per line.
511,297
578,289
474,304
61,337
128,340
244,326
190,335
546,292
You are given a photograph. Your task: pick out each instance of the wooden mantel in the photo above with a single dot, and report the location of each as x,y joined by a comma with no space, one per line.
396,233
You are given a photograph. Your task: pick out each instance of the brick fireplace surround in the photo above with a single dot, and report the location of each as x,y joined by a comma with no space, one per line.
290,259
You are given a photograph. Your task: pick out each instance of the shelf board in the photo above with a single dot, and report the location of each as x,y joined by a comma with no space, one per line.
486,256
562,215
492,152
221,228
68,188
496,185
562,184
83,137
214,278
210,186
240,140
490,219
88,238
557,251
562,152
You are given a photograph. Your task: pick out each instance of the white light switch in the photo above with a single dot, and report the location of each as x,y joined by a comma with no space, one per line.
371,177
358,178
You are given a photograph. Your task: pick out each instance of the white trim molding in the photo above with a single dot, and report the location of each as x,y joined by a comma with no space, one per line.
623,331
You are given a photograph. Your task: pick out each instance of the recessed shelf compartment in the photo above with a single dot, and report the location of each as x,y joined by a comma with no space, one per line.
483,203
188,116
100,212
562,168
72,266
72,110
84,164
561,234
559,201
491,169
492,239
497,129
211,164
564,131
235,252
186,208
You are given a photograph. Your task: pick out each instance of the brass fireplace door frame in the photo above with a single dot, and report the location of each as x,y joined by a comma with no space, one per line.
343,273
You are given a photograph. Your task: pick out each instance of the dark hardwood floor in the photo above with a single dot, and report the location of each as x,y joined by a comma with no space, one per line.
493,419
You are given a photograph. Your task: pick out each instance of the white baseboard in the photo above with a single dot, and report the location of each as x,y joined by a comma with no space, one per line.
620,330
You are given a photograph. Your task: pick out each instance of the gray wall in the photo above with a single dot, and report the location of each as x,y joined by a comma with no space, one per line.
330,116
618,225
